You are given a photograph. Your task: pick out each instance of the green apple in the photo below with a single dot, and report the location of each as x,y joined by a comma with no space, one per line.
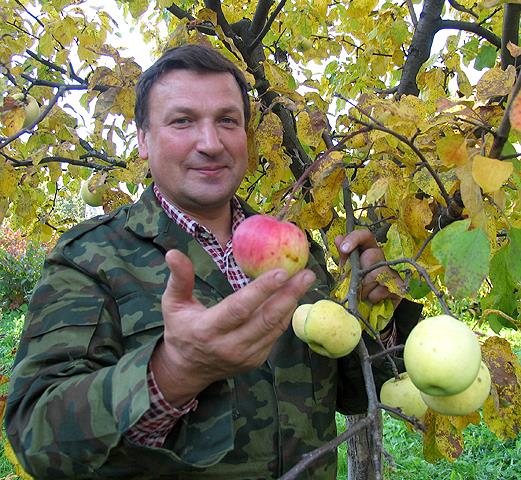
31,108
330,330
401,393
442,355
92,191
465,402
298,320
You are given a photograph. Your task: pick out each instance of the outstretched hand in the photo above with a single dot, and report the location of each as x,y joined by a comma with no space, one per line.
202,345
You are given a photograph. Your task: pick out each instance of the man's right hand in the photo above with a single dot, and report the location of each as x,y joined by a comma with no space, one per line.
202,345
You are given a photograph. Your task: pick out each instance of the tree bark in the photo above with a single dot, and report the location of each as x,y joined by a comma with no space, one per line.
359,452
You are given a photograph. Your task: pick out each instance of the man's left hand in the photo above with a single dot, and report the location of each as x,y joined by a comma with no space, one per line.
370,253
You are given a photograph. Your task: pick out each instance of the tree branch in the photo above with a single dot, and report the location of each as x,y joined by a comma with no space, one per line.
266,28
461,8
471,27
260,16
510,33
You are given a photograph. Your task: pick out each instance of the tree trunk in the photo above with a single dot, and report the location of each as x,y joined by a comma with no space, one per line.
359,452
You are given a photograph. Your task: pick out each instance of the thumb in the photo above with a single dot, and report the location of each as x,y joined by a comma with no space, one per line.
182,279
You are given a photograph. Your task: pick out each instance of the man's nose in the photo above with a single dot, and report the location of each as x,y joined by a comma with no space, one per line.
209,141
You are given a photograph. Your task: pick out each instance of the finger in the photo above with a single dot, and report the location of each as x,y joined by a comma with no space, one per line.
181,281
375,294
276,312
361,239
272,286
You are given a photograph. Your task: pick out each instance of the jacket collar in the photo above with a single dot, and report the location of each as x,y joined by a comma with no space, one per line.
147,219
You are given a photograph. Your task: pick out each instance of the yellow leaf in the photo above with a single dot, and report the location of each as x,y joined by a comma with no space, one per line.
489,173
441,439
381,314
377,190
515,50
13,120
8,179
452,150
515,112
495,82
471,196
309,130
11,457
279,80
502,409
416,214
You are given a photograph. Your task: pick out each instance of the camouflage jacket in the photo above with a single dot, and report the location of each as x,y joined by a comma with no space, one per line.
79,381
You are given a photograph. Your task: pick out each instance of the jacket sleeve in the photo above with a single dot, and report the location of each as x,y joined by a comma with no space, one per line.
73,392
352,396
77,388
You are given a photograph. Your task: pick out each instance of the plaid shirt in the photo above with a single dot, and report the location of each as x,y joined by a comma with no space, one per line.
154,426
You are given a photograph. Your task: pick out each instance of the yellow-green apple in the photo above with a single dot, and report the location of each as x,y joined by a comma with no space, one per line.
466,402
442,355
92,191
31,108
262,243
401,393
299,319
330,330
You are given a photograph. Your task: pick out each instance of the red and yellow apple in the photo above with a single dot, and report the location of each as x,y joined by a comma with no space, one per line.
262,243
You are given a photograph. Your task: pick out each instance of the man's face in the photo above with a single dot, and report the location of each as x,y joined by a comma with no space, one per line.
196,142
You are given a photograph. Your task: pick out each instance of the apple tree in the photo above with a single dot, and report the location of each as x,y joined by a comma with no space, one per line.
403,117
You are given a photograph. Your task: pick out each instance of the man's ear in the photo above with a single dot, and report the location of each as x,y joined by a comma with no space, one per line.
142,146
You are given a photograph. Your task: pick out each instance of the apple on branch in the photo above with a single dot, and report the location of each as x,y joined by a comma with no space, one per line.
31,108
262,243
93,190
442,355
466,402
327,327
401,393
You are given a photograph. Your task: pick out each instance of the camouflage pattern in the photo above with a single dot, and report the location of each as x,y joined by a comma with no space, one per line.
79,381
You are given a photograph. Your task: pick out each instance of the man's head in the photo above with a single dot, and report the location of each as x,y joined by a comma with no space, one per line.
191,127
196,58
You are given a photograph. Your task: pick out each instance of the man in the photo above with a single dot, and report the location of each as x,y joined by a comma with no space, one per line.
147,353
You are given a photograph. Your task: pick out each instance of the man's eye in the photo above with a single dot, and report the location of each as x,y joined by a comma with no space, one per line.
180,121
229,121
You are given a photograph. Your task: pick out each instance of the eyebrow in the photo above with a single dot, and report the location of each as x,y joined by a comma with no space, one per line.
222,110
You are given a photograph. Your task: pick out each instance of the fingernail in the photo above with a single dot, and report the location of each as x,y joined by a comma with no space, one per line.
309,277
345,247
281,276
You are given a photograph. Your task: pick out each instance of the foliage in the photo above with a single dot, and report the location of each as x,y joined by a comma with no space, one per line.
357,122
21,261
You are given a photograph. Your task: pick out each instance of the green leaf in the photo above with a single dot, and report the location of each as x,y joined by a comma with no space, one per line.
486,57
418,289
514,255
465,256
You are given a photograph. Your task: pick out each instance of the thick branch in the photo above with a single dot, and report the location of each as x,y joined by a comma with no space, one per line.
179,13
420,48
267,26
471,27
260,16
510,32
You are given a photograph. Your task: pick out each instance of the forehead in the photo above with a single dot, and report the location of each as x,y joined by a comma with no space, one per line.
187,84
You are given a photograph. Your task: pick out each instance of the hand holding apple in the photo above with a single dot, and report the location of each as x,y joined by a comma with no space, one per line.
262,243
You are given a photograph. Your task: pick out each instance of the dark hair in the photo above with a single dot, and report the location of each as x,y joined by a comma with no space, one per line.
197,58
